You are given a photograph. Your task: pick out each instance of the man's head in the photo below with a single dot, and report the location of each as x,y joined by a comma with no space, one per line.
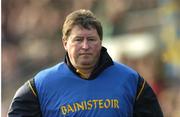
82,36
84,18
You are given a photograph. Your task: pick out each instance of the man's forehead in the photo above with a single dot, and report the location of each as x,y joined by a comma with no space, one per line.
80,27
78,30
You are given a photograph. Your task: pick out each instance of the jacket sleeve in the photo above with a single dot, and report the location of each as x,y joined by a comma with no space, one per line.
146,103
25,102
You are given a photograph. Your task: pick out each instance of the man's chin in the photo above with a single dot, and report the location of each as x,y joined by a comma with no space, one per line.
86,57
86,64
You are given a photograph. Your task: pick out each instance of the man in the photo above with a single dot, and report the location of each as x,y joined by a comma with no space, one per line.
88,83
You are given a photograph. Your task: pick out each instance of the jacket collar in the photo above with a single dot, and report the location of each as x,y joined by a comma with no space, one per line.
104,62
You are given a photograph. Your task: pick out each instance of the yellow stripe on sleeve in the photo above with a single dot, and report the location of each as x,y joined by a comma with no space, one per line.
141,90
32,88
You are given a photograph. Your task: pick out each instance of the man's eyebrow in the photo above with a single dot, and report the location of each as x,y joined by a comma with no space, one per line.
88,36
78,36
91,36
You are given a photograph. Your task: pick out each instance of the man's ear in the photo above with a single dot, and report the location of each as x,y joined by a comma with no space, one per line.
101,43
64,41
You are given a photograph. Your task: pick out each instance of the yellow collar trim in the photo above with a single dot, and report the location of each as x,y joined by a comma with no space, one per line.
81,74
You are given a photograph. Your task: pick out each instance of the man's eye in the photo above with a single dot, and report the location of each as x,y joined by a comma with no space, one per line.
78,39
91,39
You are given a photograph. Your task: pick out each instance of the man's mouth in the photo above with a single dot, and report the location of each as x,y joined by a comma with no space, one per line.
85,54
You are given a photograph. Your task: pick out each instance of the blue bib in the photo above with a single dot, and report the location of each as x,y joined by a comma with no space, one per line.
62,93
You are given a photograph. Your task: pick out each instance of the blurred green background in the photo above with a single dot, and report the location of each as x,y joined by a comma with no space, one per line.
144,34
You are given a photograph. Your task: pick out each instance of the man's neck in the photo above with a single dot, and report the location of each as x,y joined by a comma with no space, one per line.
105,62
86,70
84,73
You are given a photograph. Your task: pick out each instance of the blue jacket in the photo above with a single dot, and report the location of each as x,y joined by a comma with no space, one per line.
112,90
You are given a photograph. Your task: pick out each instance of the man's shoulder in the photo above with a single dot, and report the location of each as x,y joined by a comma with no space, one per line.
124,68
53,70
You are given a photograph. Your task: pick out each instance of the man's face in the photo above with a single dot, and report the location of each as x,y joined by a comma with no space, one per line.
83,47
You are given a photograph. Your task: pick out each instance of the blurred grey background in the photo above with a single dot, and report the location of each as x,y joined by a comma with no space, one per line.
144,34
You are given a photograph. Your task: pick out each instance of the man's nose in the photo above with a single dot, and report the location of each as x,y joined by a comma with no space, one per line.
85,44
